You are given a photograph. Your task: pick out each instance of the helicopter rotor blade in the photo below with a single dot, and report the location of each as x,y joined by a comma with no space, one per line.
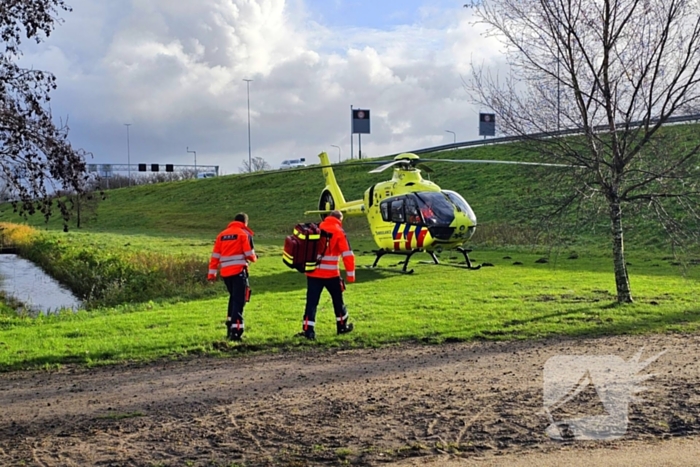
483,161
343,165
386,164
425,168
382,168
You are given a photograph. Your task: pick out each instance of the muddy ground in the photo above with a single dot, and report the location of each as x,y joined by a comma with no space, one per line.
455,404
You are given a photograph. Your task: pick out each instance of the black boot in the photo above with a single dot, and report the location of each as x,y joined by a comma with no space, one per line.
232,333
310,335
345,328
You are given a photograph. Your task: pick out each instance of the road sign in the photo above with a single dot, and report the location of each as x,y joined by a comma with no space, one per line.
360,121
487,124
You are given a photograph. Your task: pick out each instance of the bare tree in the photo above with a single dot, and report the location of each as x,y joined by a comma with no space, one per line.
613,72
5,191
257,164
36,157
83,204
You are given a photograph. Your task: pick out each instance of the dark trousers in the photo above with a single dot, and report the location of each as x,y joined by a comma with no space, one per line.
237,287
314,288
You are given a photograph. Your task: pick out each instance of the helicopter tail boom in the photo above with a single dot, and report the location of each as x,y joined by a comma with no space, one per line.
331,183
332,197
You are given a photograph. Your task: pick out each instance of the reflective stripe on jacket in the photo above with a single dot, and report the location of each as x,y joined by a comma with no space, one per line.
338,248
233,250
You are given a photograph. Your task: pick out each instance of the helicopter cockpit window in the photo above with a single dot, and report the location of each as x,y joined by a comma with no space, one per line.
424,208
392,210
386,211
397,211
412,212
435,208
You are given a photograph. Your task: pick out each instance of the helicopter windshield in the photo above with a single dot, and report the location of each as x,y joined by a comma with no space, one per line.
424,208
434,208
461,204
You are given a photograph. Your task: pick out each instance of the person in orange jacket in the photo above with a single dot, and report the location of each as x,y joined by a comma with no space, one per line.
233,250
327,275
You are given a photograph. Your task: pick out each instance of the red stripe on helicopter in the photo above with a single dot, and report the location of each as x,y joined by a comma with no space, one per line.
409,237
397,237
406,233
420,236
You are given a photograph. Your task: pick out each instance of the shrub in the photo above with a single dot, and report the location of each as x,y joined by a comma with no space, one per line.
101,277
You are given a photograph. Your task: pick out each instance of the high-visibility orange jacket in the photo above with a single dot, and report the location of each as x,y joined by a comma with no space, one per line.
232,250
338,247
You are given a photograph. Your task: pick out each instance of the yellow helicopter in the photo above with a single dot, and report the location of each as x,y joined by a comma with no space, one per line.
408,214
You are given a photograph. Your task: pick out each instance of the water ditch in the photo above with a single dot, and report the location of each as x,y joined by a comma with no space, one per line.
30,285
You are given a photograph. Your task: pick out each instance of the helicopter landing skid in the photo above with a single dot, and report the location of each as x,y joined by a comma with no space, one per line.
465,252
408,255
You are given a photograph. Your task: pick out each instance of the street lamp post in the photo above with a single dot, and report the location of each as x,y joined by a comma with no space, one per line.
128,151
334,146
250,159
195,160
454,135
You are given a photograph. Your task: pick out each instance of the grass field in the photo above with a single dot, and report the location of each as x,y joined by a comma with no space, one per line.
145,250
276,200
435,304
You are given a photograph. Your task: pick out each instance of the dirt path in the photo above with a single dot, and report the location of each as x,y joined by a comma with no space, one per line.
677,452
473,404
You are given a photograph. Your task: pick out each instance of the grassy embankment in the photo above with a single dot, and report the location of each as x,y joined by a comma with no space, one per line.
148,248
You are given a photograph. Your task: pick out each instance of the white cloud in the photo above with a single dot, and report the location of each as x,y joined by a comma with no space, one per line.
175,70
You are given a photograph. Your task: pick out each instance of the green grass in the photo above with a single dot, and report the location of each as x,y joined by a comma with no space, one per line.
141,238
435,304
277,200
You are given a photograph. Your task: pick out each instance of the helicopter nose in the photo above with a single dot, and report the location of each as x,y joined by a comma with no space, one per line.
440,232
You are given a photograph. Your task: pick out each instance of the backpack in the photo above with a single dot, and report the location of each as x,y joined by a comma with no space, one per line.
304,248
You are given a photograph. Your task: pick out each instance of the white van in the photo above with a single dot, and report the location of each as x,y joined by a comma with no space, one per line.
206,175
293,163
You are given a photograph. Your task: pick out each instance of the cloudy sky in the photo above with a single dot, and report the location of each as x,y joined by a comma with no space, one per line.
174,70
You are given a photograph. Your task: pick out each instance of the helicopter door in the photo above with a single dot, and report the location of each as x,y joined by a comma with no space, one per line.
385,208
412,212
393,210
397,211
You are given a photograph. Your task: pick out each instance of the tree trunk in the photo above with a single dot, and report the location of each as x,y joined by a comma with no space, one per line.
622,281
77,200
